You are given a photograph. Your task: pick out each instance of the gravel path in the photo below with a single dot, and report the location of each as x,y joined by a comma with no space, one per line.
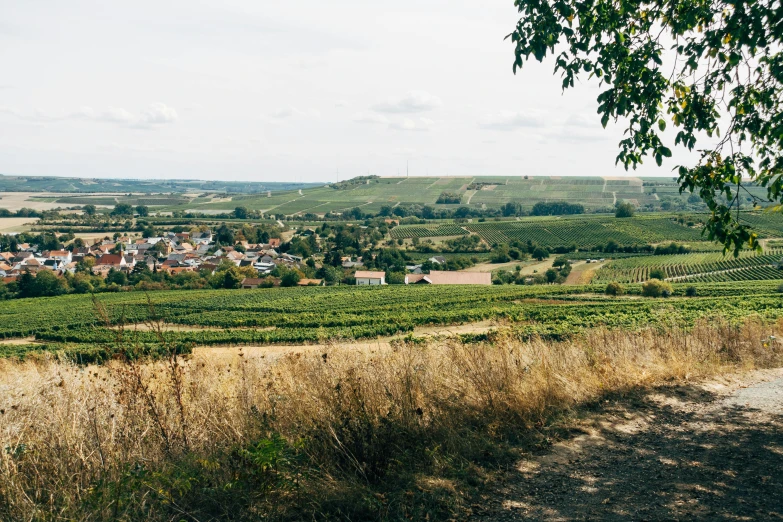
708,452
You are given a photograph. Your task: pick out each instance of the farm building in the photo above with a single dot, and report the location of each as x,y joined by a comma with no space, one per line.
369,278
449,278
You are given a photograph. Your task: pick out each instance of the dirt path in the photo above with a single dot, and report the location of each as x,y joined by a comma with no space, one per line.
582,273
709,452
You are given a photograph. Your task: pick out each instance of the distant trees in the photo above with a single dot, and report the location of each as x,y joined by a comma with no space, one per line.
142,210
89,210
122,209
624,210
556,208
44,284
540,253
451,198
511,209
240,212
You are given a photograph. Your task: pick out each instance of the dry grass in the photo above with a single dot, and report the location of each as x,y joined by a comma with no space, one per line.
407,433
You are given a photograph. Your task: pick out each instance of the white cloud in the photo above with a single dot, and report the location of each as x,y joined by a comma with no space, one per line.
111,115
287,113
408,124
156,114
412,102
368,117
507,121
583,120
341,103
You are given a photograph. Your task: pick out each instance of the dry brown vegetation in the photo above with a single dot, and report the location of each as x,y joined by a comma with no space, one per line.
411,432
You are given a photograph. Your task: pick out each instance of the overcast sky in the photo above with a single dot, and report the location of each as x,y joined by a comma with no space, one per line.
282,90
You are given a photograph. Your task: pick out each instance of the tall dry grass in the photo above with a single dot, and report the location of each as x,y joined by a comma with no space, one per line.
387,434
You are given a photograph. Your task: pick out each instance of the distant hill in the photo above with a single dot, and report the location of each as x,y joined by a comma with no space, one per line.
143,186
371,193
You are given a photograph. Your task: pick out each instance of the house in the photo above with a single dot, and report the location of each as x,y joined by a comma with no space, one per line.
438,260
250,283
370,278
115,261
414,269
202,238
63,256
449,278
274,242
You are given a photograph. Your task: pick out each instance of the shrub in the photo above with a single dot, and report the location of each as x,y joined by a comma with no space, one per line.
624,210
690,291
615,289
657,273
656,288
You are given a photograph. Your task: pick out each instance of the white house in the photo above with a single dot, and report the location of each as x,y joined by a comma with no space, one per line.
369,278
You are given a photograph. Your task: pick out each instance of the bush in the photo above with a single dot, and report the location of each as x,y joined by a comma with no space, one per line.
615,289
657,273
656,288
780,289
690,291
624,210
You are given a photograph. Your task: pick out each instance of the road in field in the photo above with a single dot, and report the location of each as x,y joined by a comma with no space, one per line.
687,452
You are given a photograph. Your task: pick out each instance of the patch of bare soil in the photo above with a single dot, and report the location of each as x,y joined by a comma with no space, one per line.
691,452
582,273
17,342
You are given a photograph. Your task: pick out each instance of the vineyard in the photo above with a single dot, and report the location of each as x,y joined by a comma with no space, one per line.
704,267
406,232
589,231
312,315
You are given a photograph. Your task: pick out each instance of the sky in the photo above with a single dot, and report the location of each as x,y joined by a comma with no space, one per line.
276,90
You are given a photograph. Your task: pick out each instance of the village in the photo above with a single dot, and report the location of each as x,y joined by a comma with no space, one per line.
175,253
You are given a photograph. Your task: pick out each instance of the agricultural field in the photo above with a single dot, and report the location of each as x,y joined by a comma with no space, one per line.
13,225
477,192
705,267
589,231
312,315
411,231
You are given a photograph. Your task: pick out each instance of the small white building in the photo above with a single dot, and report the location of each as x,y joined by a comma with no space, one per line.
369,278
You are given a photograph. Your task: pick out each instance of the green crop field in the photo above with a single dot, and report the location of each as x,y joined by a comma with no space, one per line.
706,267
588,231
477,192
311,315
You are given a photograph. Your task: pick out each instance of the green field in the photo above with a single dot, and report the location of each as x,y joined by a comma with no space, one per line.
707,267
285,199
588,231
477,192
311,315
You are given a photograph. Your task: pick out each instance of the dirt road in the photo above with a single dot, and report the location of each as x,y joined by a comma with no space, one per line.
709,452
